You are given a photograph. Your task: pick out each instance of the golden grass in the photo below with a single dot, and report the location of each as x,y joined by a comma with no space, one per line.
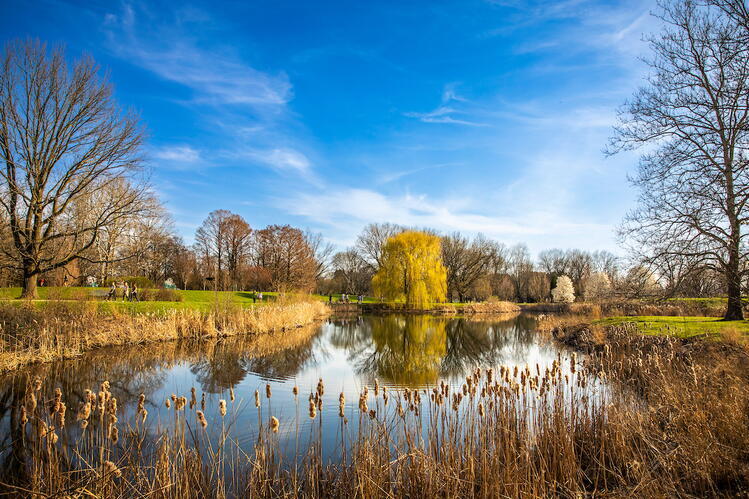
67,329
640,416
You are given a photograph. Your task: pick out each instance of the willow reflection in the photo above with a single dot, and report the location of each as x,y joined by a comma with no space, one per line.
418,350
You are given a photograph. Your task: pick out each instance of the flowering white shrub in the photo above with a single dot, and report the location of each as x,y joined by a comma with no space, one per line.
564,292
597,286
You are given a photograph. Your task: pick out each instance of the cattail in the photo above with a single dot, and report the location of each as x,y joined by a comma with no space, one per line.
222,407
181,403
193,399
372,414
111,469
295,391
114,434
105,386
37,384
320,388
341,411
143,415
84,424
267,390
60,414
401,412
274,424
141,400
231,394
30,402
112,406
312,409
168,403
481,409
341,399
24,417
377,387
202,402
257,398
201,419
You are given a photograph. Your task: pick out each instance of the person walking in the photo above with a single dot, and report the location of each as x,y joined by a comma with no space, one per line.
112,295
134,293
126,292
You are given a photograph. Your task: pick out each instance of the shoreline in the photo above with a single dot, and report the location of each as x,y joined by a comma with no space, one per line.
68,330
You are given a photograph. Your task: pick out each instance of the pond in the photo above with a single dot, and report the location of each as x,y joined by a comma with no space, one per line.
348,354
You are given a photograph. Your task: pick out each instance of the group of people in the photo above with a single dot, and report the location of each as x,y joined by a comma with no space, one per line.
345,298
129,293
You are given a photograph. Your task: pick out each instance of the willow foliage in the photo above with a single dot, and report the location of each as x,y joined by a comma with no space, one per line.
411,270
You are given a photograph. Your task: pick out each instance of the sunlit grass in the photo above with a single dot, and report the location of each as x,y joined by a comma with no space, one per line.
683,327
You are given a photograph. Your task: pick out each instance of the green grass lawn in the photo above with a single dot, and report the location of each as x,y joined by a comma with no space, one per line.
683,327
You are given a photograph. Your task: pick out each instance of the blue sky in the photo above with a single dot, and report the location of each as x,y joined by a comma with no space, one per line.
478,116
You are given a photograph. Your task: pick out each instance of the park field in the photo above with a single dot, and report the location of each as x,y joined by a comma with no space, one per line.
681,326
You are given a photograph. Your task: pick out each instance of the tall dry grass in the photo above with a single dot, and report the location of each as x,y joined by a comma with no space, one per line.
646,417
63,330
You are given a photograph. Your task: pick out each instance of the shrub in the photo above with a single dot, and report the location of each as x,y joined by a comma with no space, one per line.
159,295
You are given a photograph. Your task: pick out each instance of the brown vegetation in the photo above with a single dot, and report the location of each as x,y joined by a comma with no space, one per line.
62,330
650,416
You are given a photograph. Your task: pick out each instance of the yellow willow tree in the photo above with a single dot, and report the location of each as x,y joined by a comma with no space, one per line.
411,270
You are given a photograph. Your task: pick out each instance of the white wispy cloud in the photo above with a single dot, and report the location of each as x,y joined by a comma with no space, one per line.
445,113
283,159
342,211
216,75
177,153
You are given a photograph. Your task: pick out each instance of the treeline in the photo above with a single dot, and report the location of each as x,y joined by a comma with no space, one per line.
479,268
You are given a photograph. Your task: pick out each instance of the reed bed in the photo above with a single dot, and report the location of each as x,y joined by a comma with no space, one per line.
64,330
652,417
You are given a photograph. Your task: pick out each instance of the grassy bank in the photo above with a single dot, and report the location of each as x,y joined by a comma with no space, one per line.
683,327
669,418
52,330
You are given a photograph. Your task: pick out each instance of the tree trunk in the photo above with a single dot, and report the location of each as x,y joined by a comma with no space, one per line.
29,285
734,311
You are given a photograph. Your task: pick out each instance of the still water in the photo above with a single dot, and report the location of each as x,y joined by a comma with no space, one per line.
348,354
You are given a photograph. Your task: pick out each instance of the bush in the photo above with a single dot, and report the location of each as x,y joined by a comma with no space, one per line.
159,295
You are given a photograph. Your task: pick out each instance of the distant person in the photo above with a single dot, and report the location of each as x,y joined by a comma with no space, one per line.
361,298
134,293
126,292
260,296
112,295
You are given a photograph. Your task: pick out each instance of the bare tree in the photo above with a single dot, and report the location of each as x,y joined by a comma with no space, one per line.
372,239
353,271
62,140
322,251
284,253
465,261
692,113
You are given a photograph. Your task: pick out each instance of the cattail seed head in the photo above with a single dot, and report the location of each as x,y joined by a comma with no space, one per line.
257,398
111,469
231,394
37,384
222,407
274,424
201,419
168,403
24,418
267,390
295,391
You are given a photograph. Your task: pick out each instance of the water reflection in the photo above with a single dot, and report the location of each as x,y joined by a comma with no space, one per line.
410,350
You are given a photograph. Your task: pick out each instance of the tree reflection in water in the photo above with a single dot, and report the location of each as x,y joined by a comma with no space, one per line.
419,350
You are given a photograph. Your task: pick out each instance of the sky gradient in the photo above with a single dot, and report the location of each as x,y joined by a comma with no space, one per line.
477,116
